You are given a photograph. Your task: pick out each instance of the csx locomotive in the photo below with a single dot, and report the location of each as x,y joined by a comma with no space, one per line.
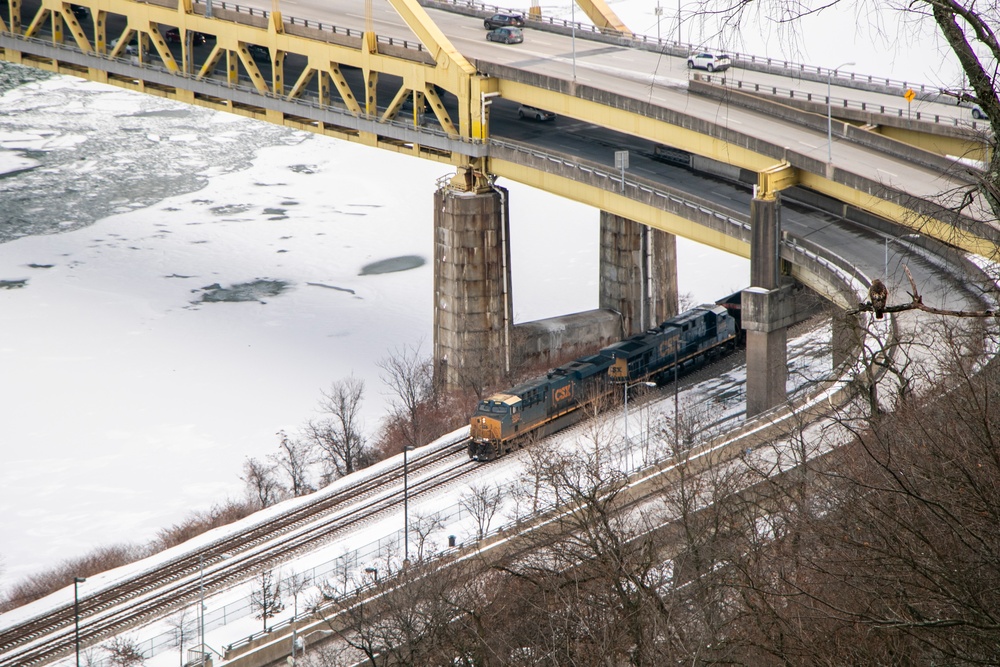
549,403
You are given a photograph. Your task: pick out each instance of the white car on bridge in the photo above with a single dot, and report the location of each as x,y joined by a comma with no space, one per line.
713,62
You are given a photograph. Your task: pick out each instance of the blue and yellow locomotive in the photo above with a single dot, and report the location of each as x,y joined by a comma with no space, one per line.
546,404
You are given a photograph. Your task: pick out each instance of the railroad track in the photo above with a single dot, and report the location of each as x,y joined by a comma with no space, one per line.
176,582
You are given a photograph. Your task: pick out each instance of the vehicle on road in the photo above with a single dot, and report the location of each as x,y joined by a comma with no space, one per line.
174,35
713,62
80,12
500,20
258,52
131,48
525,111
505,421
977,112
507,35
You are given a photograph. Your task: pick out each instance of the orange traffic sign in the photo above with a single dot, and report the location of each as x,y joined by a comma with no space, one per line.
909,94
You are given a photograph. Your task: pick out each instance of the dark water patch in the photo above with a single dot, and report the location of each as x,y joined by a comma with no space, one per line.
274,211
281,251
230,209
333,287
178,275
392,265
255,290
13,284
277,217
366,205
40,266
289,203
303,168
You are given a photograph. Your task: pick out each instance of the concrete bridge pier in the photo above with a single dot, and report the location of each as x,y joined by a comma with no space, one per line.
768,310
472,305
638,272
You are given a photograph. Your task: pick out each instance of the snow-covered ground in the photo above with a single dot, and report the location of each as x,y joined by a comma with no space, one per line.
129,400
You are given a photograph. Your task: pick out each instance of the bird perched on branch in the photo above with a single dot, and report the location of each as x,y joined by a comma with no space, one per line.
878,294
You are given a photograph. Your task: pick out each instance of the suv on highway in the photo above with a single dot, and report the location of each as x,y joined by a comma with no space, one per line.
500,20
713,62
524,111
507,35
977,112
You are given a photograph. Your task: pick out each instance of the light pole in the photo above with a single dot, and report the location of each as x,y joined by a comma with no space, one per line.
659,12
406,509
627,387
76,613
201,607
678,22
572,9
829,113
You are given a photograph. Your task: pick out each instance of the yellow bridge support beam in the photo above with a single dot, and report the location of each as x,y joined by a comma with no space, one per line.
774,179
602,16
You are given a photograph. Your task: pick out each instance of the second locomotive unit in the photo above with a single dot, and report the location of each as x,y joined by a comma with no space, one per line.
546,404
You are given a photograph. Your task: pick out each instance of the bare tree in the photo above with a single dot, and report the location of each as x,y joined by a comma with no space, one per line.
181,627
294,458
124,652
410,379
424,525
338,434
261,481
265,596
482,501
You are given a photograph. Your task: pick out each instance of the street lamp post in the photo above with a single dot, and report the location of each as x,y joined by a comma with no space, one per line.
627,387
829,113
406,509
659,12
201,608
572,9
76,613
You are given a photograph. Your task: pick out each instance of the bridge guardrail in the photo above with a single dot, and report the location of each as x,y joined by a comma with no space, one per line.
681,49
839,103
318,25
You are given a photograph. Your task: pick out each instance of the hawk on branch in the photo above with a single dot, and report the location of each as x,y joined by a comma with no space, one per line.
878,294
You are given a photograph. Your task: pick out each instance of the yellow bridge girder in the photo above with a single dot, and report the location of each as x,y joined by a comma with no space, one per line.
601,15
445,70
619,204
421,78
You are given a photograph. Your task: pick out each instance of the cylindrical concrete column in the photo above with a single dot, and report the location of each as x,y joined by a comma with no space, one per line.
472,306
638,272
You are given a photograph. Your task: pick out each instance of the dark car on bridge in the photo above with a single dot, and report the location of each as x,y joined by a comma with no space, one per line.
501,20
174,35
507,35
